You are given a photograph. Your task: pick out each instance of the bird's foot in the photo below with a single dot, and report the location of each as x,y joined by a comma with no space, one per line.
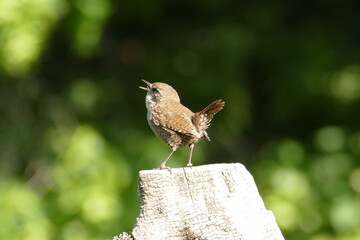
163,167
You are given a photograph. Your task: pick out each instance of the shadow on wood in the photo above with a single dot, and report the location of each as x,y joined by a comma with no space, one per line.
208,202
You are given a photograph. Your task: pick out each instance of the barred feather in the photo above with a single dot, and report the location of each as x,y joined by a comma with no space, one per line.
202,119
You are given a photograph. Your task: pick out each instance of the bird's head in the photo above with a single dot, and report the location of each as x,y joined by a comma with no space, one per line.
158,91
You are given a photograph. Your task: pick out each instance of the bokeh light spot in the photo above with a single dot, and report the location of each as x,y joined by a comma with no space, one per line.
22,213
345,214
70,198
87,37
24,27
84,95
22,50
290,152
99,206
87,177
75,230
354,180
88,28
310,221
346,84
94,9
330,139
290,183
354,143
331,166
286,213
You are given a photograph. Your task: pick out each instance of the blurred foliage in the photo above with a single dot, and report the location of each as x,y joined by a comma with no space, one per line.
73,130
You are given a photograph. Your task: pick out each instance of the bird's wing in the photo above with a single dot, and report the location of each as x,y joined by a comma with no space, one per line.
176,118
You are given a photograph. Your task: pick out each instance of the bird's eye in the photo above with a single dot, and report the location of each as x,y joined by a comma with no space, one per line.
154,90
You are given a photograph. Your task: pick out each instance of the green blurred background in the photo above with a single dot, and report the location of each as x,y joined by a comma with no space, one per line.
73,130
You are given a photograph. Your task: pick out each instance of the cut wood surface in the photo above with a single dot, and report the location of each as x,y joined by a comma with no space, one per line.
209,202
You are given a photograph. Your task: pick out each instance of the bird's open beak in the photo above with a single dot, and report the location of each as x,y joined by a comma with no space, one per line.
148,85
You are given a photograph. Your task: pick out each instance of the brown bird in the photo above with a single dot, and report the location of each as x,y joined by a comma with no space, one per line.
172,122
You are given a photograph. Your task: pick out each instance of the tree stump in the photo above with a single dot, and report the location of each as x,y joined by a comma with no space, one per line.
208,202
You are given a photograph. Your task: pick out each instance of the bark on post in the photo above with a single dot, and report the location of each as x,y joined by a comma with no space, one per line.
208,202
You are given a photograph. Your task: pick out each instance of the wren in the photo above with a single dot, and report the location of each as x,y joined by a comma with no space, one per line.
172,122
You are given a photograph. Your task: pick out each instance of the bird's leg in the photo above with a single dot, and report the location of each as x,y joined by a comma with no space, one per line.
162,166
190,156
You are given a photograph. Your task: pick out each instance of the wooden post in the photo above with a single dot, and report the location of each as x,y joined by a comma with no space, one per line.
208,202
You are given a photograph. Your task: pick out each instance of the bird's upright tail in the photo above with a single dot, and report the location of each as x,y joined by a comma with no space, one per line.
202,119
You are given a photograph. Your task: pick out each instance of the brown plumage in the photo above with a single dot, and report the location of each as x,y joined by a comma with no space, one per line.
174,123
